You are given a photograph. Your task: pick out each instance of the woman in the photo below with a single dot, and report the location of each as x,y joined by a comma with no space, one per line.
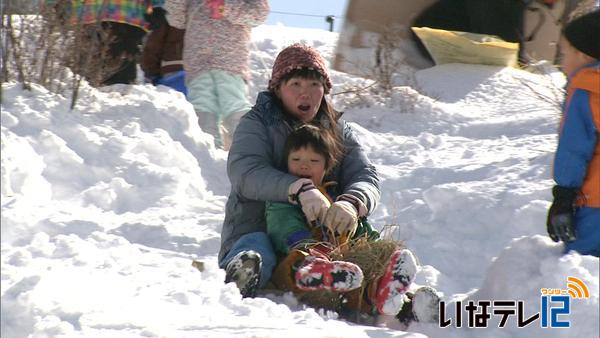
256,168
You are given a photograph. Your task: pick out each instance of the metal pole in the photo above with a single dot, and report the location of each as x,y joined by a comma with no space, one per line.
330,19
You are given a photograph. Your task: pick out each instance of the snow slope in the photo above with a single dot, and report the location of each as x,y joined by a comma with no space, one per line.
105,207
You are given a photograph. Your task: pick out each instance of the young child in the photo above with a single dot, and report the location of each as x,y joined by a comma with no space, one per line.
215,56
162,59
574,216
305,249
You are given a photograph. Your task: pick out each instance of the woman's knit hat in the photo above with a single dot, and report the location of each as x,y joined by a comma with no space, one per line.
298,56
582,33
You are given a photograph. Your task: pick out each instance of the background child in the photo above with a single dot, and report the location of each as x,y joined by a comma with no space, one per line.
305,251
574,216
215,56
162,59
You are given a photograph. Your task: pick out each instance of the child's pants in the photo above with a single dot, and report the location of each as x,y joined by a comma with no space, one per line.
587,231
219,99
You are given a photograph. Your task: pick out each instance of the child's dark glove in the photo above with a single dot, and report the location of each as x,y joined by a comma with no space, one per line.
153,79
560,223
156,18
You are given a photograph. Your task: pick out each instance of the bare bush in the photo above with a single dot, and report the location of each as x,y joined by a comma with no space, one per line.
388,58
383,61
54,49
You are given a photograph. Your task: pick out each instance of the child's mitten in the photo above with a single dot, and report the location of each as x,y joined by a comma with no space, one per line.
314,204
560,224
342,218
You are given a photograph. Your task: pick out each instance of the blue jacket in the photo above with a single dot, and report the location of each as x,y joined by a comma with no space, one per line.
577,159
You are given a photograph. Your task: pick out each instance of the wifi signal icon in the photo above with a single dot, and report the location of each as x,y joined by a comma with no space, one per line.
576,288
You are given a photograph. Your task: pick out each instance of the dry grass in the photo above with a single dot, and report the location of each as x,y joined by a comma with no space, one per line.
371,256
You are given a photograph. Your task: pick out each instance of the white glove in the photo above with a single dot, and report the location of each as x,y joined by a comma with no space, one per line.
314,204
342,218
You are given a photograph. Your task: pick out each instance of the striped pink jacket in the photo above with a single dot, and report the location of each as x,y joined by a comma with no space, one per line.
216,43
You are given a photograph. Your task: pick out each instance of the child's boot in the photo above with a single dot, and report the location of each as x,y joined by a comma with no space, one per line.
394,283
425,305
318,273
244,270
420,306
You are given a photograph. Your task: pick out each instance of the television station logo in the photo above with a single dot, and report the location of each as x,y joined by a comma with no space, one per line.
555,307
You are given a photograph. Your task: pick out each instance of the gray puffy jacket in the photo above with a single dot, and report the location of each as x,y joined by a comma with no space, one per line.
256,169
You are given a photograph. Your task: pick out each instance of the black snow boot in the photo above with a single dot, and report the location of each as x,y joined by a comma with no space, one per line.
420,306
244,270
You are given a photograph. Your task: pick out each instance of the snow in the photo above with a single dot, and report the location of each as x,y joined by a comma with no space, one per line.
105,207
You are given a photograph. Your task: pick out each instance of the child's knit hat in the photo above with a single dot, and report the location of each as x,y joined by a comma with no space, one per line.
583,33
298,56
